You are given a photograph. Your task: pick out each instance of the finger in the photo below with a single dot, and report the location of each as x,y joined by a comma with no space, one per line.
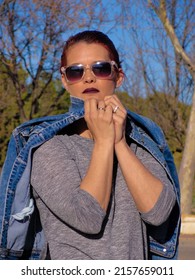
118,118
119,115
108,112
112,97
114,102
93,106
116,99
90,109
87,107
101,107
116,108
107,97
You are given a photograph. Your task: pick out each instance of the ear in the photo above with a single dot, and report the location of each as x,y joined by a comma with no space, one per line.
120,78
64,82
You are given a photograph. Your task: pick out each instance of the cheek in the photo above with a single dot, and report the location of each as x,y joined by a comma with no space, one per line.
111,86
73,87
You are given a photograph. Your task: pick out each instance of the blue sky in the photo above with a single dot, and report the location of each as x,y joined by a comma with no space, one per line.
121,34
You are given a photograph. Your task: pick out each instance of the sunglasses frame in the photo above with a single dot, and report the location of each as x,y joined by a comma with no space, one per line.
85,67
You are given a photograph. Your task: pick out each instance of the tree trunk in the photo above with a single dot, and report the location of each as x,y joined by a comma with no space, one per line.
187,167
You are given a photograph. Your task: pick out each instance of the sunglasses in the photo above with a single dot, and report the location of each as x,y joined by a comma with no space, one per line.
100,69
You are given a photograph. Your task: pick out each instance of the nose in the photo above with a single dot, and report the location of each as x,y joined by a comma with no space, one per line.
88,76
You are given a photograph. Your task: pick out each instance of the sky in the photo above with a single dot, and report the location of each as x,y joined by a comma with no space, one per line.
136,21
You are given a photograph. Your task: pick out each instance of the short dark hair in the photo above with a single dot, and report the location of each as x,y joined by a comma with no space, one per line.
91,36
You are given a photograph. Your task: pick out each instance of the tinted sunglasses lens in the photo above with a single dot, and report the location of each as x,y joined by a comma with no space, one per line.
74,73
102,69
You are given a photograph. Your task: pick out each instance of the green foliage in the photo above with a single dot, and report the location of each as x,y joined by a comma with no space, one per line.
170,114
9,116
54,100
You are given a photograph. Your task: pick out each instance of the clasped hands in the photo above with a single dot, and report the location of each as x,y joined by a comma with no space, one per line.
106,119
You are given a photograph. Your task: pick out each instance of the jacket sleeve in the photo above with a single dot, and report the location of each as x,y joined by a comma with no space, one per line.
5,174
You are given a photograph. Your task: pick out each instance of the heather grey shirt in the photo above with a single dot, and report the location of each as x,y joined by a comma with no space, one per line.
75,225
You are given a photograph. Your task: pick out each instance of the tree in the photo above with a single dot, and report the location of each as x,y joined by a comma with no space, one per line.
54,100
155,68
187,167
32,35
32,38
9,117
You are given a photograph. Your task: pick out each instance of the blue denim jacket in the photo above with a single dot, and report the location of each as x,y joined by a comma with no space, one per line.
21,233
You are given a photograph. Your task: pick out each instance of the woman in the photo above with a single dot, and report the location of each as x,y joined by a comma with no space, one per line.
96,188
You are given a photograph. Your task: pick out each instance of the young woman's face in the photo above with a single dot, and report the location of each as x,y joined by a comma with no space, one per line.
90,86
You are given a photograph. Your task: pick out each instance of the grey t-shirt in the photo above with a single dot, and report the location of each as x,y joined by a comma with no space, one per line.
75,225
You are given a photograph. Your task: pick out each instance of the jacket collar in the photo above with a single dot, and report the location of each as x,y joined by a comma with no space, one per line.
76,104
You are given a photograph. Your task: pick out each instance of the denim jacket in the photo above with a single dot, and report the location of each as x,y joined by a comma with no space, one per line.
21,233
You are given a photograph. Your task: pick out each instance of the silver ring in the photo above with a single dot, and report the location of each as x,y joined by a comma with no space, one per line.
115,109
101,108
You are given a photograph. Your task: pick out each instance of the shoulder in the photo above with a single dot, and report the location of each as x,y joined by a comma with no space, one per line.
58,146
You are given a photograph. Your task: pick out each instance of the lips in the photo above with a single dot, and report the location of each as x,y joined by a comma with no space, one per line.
91,90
